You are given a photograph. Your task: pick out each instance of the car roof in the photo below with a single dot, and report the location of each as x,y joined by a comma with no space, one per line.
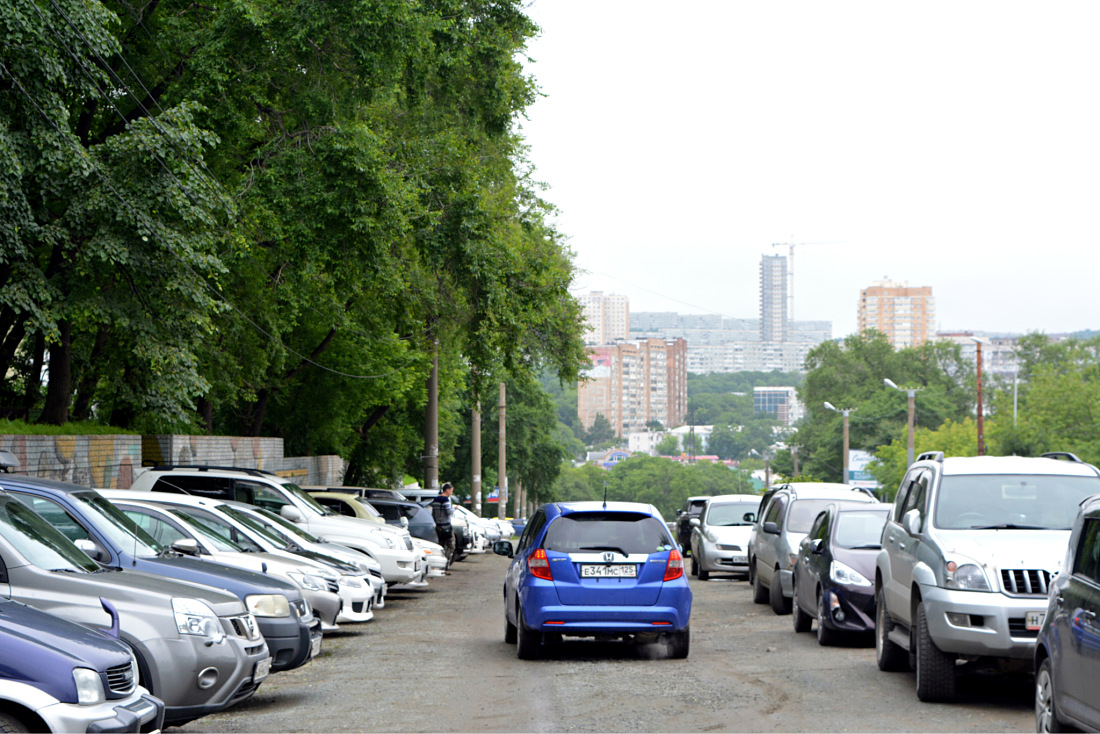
954,465
825,491
594,506
734,498
163,498
19,480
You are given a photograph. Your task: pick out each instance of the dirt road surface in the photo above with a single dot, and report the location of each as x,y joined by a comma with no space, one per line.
434,660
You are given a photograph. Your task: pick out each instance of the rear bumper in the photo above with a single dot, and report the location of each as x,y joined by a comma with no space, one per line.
543,611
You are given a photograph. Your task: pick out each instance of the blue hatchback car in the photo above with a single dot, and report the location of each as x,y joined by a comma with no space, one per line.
590,569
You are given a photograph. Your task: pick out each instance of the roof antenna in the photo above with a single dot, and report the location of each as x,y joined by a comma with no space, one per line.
605,495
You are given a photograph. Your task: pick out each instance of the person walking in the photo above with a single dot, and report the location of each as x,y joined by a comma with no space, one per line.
442,512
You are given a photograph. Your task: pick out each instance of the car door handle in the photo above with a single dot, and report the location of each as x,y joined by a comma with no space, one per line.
1059,600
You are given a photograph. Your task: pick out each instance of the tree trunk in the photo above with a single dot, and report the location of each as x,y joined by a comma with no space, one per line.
59,389
256,414
89,378
206,411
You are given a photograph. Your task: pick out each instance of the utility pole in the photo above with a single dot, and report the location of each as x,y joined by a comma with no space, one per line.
502,474
981,426
431,426
911,392
475,458
794,458
844,412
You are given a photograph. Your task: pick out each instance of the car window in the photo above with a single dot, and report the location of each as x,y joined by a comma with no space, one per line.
626,532
392,513
906,487
775,509
217,487
55,515
860,528
284,525
820,528
532,530
729,513
696,506
802,513
1040,501
218,526
163,531
332,503
38,541
915,500
261,495
1087,560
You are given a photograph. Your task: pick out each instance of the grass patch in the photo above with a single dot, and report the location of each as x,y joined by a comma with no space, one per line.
83,428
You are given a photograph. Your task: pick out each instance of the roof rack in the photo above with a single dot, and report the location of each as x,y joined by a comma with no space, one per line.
931,456
1062,456
209,467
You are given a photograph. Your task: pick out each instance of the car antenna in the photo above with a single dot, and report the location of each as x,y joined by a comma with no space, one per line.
605,495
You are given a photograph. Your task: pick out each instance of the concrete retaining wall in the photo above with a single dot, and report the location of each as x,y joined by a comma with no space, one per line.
94,461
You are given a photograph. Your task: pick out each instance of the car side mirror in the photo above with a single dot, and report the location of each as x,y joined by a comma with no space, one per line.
290,512
186,546
694,522
503,548
770,528
90,549
816,546
911,522
405,522
749,517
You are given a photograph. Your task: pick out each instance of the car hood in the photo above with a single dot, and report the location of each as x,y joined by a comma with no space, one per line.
731,534
1000,549
234,579
30,637
274,563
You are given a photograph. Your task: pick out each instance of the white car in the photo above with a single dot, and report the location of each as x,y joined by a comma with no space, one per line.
720,535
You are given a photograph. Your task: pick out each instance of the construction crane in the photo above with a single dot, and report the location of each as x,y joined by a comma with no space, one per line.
790,271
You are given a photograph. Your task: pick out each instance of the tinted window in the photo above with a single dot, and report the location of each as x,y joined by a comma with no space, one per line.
775,509
38,541
1087,562
860,528
594,531
216,487
1029,501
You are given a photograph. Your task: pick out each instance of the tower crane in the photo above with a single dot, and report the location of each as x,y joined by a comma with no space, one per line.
790,271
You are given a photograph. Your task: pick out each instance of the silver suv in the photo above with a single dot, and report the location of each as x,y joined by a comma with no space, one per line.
967,556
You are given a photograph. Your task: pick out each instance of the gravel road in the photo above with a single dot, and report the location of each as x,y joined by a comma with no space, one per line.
435,660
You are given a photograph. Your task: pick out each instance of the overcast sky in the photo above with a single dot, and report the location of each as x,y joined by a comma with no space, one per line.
953,145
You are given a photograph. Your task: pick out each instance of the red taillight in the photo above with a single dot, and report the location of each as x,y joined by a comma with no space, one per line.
539,565
675,567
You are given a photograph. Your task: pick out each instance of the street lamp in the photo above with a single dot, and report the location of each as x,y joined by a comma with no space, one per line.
912,393
767,467
844,412
981,416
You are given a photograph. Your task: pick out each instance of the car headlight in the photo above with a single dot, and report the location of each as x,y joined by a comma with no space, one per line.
353,582
842,573
194,617
267,605
308,581
967,576
89,687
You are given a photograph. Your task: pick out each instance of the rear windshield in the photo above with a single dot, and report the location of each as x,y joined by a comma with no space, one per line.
625,532
1024,501
860,528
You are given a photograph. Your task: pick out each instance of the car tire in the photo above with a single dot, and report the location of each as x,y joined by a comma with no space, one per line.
1046,711
888,654
759,593
704,574
679,644
11,725
802,621
527,640
935,668
509,631
694,566
780,604
826,635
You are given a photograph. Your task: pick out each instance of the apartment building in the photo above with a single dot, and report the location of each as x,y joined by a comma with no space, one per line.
905,315
773,298
607,317
634,382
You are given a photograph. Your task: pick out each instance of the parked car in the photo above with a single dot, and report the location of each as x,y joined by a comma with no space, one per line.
967,558
371,493
590,569
99,528
692,508
720,535
416,518
57,676
1066,662
773,545
400,562
198,649
833,572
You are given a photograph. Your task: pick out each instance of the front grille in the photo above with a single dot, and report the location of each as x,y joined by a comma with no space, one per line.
734,548
357,607
1025,581
120,678
244,626
408,543
333,585
300,607
1018,628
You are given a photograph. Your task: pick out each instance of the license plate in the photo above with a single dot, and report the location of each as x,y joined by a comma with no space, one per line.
263,668
315,647
739,559
614,571
1034,620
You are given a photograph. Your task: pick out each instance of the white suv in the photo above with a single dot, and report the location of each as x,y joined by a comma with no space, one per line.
967,556
401,562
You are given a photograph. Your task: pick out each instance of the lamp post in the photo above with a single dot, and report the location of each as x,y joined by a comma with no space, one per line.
767,467
844,412
981,416
912,393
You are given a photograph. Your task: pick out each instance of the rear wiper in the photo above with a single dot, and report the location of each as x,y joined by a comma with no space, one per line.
604,548
1007,526
872,546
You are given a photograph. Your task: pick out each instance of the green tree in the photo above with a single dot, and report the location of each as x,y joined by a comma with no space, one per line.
669,445
601,431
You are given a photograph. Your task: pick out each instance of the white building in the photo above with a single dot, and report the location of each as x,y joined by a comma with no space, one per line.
607,317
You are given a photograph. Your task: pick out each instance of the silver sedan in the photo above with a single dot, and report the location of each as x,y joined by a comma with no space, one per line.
720,535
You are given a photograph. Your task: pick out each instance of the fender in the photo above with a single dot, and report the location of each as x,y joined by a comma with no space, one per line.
26,695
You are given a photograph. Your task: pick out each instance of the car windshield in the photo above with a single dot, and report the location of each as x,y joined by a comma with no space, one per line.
219,527
1005,501
373,515
253,524
725,514
212,538
114,523
287,526
860,528
38,541
306,497
624,532
802,514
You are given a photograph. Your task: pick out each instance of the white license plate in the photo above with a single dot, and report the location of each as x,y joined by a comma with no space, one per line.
315,647
613,571
739,559
263,669
1034,620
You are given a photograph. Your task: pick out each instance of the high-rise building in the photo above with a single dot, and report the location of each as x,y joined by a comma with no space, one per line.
773,298
905,315
634,382
607,317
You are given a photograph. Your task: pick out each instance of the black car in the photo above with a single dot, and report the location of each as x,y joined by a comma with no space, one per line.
833,576
693,508
418,519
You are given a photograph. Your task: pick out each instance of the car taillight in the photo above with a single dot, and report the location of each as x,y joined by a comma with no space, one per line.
675,567
539,565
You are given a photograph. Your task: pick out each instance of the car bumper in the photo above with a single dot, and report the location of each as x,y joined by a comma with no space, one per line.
358,604
542,611
851,609
139,712
288,639
981,623
711,559
786,583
